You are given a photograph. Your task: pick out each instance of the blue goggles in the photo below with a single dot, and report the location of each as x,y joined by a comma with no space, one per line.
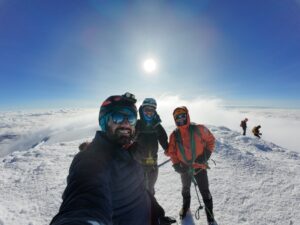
181,119
119,117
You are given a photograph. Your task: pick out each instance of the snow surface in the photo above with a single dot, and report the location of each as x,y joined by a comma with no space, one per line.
254,181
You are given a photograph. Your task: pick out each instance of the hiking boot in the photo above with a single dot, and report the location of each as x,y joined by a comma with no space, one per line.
183,212
209,211
165,220
185,206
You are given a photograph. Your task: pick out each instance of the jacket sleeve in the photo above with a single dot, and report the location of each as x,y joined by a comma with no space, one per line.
162,137
87,195
172,150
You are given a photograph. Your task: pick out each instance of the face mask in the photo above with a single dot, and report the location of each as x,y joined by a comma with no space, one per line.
149,113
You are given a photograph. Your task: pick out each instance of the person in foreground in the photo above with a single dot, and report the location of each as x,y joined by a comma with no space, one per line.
150,132
105,185
190,146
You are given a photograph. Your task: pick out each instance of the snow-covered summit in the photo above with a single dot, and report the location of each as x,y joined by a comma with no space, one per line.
253,182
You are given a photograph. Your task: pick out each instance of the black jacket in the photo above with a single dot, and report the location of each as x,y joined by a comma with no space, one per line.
105,184
243,124
148,136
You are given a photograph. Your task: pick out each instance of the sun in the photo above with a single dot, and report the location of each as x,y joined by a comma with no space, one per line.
149,65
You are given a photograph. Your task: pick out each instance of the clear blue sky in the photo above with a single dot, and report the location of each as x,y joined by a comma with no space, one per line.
76,52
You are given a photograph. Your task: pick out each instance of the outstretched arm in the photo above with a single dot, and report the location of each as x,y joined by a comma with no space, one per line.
162,137
171,151
87,196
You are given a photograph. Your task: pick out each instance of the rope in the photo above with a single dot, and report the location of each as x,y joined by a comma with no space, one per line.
213,161
197,213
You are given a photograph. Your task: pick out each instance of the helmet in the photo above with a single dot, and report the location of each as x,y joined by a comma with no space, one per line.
149,102
114,103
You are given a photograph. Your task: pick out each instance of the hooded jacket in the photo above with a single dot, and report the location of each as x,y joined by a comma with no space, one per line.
148,135
204,144
105,185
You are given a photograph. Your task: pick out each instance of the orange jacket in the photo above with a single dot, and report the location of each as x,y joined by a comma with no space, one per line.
202,141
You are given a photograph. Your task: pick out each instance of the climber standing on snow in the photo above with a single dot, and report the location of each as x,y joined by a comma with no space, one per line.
190,146
244,125
150,132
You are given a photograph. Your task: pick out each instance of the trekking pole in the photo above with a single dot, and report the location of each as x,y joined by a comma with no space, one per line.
163,163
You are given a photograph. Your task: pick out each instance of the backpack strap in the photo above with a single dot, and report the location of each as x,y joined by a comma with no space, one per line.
192,142
197,130
178,138
180,146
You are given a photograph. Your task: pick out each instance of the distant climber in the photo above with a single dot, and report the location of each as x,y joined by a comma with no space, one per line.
244,125
256,131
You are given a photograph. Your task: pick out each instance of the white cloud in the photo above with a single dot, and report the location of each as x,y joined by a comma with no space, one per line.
280,126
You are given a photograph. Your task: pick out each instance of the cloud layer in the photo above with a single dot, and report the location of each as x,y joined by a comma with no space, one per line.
280,126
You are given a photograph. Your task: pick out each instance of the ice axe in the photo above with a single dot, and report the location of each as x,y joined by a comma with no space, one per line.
163,163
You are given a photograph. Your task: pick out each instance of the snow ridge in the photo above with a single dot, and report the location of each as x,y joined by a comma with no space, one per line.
253,182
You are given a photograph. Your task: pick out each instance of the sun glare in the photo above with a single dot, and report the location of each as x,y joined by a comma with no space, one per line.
149,65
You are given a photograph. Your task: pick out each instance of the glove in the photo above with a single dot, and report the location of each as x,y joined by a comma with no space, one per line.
202,159
180,168
156,120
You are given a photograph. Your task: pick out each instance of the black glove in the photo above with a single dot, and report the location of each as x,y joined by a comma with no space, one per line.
180,168
202,159
156,120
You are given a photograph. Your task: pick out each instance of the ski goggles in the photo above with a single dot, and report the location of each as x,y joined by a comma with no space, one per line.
120,116
181,119
149,110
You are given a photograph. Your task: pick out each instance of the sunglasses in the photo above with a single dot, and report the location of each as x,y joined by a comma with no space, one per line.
149,110
119,117
180,116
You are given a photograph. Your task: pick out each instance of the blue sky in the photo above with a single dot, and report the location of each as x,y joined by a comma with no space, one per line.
75,53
